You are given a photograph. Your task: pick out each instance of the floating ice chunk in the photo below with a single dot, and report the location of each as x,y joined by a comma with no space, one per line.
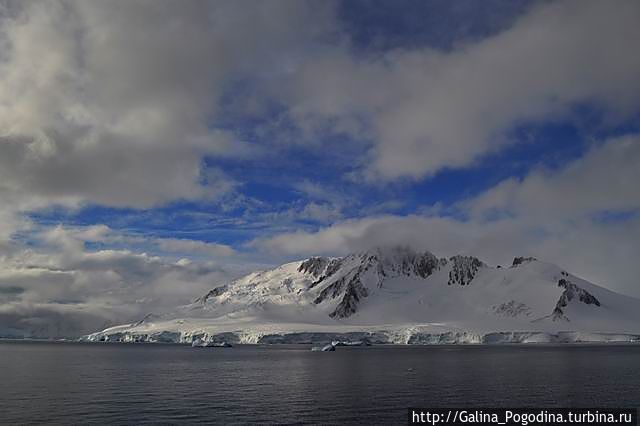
327,348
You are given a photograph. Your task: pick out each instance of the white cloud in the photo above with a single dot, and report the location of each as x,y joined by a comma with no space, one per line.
604,253
426,110
318,192
323,213
605,179
114,105
79,289
192,246
552,215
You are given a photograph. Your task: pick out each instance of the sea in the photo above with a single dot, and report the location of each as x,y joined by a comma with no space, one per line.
109,383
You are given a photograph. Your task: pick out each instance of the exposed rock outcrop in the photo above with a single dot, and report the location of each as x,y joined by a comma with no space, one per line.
464,269
521,260
314,266
212,293
571,292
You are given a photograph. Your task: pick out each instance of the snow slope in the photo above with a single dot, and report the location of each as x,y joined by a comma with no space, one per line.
397,295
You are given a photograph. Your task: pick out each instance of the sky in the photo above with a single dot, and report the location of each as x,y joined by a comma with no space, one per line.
152,150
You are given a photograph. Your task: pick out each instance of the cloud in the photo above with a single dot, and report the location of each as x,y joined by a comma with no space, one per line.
77,288
424,110
604,179
120,107
318,192
116,105
192,246
51,320
603,253
552,215
323,213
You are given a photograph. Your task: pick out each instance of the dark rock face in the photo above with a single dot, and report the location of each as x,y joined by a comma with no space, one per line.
331,291
333,266
318,281
349,303
314,266
353,289
402,261
571,292
426,264
212,293
323,271
349,286
382,263
464,269
520,260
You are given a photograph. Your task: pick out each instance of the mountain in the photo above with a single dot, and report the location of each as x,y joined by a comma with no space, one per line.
398,295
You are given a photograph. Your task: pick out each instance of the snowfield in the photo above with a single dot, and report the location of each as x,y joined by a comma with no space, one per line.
396,295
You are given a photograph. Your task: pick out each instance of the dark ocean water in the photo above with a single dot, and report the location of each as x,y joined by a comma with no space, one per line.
131,384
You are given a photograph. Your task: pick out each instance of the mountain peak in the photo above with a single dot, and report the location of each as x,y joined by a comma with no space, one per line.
394,252
522,260
314,265
342,287
397,286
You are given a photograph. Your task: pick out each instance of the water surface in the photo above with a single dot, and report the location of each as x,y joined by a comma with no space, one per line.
145,383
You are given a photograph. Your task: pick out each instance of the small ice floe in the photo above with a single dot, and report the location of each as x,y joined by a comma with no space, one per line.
327,348
199,343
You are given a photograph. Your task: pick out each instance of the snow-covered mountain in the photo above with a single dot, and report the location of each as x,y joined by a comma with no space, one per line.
398,295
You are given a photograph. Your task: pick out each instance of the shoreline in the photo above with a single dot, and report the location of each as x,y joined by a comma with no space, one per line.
308,344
